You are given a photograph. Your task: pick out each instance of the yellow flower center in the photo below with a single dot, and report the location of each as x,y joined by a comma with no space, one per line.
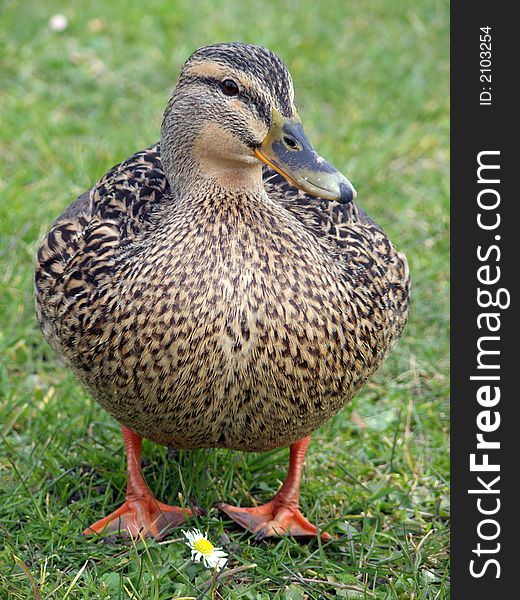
203,546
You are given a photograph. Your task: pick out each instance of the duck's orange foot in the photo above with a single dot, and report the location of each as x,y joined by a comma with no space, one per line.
144,516
272,519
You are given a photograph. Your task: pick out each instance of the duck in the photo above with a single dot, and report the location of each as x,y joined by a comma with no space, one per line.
221,288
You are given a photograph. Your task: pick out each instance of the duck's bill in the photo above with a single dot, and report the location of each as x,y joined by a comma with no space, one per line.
287,150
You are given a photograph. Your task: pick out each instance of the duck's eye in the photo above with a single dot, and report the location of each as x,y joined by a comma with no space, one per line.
229,87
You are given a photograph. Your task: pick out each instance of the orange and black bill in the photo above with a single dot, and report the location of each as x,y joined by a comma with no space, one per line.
287,150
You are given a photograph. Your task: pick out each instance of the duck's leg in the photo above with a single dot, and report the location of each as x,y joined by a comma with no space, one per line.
282,514
141,513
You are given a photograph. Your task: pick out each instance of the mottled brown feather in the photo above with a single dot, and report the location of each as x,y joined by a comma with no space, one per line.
229,323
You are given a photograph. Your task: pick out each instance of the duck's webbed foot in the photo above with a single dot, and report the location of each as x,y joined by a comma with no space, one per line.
141,514
282,515
275,518
144,516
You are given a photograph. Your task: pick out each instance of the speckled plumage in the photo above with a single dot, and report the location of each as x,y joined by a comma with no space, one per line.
217,318
222,324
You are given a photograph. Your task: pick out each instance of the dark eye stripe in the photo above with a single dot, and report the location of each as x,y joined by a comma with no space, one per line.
259,105
254,101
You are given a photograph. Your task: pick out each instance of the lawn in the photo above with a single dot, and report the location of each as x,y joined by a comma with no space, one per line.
372,88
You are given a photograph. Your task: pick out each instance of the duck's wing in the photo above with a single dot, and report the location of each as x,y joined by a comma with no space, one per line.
325,218
93,229
360,245
127,192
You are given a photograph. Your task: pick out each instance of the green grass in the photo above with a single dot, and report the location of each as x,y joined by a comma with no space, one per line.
372,87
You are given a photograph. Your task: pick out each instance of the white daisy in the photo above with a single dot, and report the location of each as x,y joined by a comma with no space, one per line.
58,23
203,550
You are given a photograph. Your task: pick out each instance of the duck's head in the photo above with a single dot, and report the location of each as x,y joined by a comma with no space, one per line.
232,109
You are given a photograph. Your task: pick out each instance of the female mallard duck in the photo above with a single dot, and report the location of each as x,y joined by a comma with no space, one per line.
206,302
